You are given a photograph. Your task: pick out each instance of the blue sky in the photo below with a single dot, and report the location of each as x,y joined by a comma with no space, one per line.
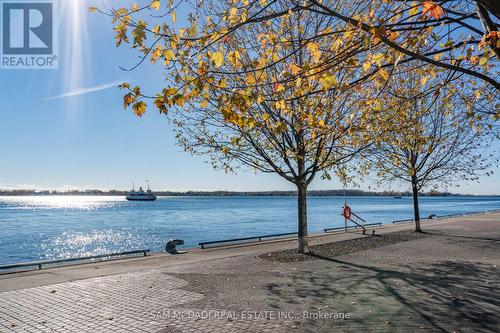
66,128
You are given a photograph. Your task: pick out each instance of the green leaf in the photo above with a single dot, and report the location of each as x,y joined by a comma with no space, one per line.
139,32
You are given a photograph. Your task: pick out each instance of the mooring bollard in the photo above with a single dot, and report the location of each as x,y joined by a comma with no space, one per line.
170,247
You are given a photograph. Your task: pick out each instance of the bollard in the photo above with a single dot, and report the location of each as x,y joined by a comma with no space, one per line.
170,247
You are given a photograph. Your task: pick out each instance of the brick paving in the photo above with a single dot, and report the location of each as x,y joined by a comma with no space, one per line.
447,281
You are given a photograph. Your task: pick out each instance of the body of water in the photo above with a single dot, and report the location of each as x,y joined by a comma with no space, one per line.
50,227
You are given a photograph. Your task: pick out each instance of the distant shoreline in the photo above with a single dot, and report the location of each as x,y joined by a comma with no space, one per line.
315,193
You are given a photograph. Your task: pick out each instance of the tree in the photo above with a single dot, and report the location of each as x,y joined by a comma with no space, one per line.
294,140
434,139
263,98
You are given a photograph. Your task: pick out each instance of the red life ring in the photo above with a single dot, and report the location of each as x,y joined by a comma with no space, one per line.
347,212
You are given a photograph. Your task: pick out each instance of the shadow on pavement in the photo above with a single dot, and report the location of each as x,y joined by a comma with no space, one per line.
438,297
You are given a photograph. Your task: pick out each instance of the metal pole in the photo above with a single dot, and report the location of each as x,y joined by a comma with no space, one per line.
343,213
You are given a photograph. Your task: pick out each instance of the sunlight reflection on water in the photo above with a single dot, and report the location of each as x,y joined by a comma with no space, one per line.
88,243
62,202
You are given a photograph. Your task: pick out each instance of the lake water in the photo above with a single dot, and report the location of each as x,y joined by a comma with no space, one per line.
49,227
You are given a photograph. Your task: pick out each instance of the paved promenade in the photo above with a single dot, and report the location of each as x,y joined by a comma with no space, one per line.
447,281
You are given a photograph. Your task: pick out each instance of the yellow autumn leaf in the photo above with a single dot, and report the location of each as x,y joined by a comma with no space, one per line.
180,101
314,51
483,60
139,108
294,69
280,104
251,79
92,9
336,44
328,81
169,55
423,81
156,30
155,4
233,12
127,100
217,58
157,52
235,58
203,104
377,59
174,17
384,74
366,66
222,84
414,9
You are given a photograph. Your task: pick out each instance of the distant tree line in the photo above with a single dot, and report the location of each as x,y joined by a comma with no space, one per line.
317,193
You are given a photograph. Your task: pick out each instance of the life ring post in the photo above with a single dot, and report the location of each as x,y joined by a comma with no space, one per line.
347,212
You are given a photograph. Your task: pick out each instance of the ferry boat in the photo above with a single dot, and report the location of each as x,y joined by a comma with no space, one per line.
141,195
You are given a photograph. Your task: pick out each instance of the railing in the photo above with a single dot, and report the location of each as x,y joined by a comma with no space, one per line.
491,211
402,221
260,238
40,264
352,227
447,216
451,215
233,240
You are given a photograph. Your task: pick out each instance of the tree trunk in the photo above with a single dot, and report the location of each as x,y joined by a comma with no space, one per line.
416,210
487,23
302,209
493,6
